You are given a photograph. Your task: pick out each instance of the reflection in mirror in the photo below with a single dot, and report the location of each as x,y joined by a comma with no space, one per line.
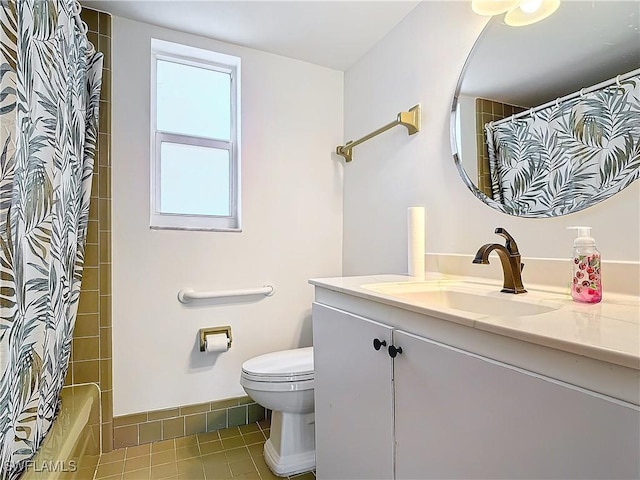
546,118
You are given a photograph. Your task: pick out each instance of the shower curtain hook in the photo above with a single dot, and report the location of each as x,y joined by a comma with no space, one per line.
558,102
532,113
582,93
618,81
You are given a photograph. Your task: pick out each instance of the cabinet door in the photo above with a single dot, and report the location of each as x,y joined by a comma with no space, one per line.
459,415
353,396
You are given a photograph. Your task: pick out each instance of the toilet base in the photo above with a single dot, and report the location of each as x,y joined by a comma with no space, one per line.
291,465
290,448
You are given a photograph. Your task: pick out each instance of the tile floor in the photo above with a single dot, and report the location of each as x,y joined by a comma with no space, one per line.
233,453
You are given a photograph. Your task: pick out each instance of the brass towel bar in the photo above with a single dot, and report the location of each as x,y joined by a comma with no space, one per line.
410,119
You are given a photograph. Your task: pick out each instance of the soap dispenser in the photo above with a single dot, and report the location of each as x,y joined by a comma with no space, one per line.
586,286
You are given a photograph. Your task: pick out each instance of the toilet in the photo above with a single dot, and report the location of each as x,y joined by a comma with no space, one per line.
283,382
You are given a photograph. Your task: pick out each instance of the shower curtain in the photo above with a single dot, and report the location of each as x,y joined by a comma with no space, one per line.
567,156
49,93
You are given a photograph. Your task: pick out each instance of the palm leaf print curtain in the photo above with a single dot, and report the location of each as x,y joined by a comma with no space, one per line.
49,91
568,156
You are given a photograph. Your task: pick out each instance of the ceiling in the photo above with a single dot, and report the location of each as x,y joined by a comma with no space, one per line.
333,34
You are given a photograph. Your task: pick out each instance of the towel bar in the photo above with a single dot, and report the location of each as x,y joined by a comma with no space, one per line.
410,119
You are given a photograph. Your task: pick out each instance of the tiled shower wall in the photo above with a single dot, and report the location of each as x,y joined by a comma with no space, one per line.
488,111
91,351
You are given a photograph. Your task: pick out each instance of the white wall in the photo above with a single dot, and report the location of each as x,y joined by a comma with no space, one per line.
292,217
468,135
419,62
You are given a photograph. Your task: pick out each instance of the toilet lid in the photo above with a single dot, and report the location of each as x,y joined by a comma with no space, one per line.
283,366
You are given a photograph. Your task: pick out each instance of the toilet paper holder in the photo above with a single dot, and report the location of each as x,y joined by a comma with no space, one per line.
211,331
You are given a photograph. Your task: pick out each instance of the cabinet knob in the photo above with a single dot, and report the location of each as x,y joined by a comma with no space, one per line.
393,351
377,343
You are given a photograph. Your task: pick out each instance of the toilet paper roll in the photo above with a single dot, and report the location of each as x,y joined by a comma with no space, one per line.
416,235
216,343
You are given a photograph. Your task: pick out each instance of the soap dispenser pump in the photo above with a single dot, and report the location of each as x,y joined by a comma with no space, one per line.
586,286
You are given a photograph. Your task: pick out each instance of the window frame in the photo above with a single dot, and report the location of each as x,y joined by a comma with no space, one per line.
196,57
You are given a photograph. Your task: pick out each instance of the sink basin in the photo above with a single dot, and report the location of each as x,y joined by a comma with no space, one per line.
472,298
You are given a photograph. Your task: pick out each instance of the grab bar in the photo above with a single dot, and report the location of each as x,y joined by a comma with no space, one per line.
187,295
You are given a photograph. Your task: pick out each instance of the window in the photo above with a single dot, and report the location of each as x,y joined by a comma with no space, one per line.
195,182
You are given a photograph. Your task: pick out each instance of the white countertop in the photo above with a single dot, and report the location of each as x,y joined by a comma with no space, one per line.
608,331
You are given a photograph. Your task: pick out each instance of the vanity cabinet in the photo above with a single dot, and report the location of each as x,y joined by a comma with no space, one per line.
436,411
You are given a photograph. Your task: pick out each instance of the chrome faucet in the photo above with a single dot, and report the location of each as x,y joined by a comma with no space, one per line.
510,259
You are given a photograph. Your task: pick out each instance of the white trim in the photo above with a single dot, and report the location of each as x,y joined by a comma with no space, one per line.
190,62
193,140
186,55
197,55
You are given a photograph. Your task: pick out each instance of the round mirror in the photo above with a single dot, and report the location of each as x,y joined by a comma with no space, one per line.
546,117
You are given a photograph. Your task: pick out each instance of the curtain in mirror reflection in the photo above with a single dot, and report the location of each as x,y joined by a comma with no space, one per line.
568,156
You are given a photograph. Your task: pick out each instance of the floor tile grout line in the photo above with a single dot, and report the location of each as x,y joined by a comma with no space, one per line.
198,441
254,464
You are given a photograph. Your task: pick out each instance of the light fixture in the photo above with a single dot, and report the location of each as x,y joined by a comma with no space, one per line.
530,11
519,12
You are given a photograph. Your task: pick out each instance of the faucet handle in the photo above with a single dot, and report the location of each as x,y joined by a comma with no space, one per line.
510,243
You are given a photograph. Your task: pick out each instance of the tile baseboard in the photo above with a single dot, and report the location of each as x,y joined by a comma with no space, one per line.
146,427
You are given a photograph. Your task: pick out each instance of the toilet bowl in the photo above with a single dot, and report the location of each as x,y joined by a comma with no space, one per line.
283,382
